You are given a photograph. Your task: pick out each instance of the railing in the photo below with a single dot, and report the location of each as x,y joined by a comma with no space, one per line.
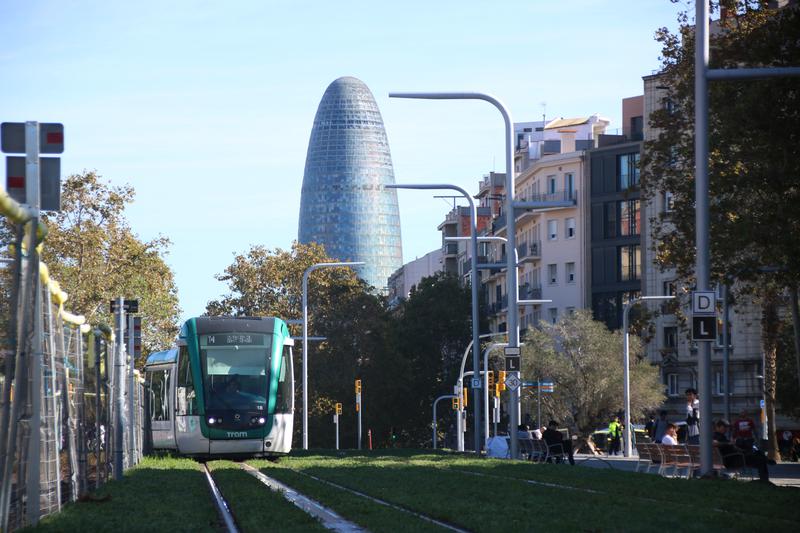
498,223
566,195
528,249
526,292
450,248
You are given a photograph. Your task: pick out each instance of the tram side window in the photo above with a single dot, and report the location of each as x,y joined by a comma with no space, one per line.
284,393
187,398
159,391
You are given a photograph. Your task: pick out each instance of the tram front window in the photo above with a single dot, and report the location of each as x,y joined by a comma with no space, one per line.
235,370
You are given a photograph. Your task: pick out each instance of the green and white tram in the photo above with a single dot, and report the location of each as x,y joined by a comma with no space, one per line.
226,390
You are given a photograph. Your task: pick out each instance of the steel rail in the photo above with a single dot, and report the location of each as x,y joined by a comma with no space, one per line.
223,508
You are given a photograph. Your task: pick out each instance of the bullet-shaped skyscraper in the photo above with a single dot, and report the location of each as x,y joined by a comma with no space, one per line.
344,205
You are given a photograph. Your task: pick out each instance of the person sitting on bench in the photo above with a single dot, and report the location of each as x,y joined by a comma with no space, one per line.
555,442
733,457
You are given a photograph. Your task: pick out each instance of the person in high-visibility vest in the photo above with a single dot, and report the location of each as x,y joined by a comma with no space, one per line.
614,436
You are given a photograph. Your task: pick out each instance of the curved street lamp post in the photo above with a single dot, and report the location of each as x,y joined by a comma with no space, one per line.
308,271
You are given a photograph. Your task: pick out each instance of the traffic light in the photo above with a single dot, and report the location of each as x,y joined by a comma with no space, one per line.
497,389
455,404
502,380
358,386
338,408
465,396
490,378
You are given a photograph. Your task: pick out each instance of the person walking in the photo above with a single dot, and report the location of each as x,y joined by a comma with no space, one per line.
692,417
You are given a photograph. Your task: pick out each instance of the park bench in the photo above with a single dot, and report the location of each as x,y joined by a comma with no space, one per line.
649,456
719,461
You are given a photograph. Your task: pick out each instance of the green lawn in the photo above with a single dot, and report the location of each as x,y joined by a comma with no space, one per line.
169,494
573,498
159,494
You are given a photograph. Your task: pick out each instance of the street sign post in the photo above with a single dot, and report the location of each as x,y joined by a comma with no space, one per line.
51,137
512,363
130,306
704,316
49,181
512,382
358,409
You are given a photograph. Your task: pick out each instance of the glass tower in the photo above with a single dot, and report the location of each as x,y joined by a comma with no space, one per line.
344,205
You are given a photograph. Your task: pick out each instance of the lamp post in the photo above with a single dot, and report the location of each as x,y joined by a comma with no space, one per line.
308,271
513,324
627,365
474,283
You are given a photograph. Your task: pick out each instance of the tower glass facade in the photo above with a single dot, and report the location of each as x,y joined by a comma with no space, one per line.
344,204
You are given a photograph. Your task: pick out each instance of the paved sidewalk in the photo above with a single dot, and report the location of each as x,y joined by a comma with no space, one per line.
785,474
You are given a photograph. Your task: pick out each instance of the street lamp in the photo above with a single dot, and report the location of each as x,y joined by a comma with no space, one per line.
308,271
627,364
513,324
474,277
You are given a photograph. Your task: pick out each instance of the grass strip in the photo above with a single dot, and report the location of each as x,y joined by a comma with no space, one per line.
255,507
158,494
367,514
434,486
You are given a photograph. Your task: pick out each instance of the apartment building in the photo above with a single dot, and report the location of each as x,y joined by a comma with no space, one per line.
671,348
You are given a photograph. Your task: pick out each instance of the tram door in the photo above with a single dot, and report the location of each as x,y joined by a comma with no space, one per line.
282,428
160,383
188,435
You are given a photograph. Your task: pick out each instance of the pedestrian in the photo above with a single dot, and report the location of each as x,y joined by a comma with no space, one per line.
734,457
650,426
660,426
670,437
556,444
692,417
614,434
744,429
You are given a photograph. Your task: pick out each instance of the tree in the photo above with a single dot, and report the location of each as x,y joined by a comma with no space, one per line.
434,327
584,360
754,174
92,251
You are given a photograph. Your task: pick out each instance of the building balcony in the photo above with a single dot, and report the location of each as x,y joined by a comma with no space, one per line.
527,292
450,249
567,195
529,251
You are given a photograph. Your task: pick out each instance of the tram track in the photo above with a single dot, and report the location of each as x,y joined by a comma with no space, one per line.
223,509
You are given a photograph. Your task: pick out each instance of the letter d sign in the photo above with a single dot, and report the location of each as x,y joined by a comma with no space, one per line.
703,303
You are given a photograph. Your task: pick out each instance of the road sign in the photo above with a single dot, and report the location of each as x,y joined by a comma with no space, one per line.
137,335
476,383
512,363
704,303
704,328
513,382
51,137
130,306
509,351
49,181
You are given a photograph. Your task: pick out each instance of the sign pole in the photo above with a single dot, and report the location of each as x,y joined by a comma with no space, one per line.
358,409
539,404
336,423
119,403
131,432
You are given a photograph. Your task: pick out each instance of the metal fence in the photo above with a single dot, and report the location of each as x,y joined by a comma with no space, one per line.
57,388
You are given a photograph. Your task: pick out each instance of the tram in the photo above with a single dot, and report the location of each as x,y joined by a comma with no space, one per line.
226,390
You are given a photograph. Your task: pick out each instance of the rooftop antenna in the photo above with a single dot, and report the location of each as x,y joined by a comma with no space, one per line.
544,115
454,198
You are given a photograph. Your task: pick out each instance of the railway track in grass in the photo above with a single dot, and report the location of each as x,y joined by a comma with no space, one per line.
223,509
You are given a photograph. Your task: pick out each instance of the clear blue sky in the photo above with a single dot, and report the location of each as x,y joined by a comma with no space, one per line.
205,107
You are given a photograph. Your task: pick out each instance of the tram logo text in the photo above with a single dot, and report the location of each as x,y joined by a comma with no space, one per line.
236,433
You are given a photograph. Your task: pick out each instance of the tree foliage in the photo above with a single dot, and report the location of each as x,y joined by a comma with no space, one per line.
584,360
754,171
92,251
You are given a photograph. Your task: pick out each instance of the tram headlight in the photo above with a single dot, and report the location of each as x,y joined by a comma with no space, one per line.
212,420
262,420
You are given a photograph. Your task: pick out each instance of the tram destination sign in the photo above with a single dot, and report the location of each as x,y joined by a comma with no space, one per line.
234,339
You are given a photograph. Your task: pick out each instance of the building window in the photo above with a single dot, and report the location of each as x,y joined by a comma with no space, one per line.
570,225
629,218
669,288
669,201
551,184
570,311
627,171
570,272
610,219
552,230
552,274
670,337
629,262
719,384
553,314
569,184
672,385
720,334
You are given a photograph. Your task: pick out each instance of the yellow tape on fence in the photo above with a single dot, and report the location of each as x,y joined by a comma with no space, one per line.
59,296
13,210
